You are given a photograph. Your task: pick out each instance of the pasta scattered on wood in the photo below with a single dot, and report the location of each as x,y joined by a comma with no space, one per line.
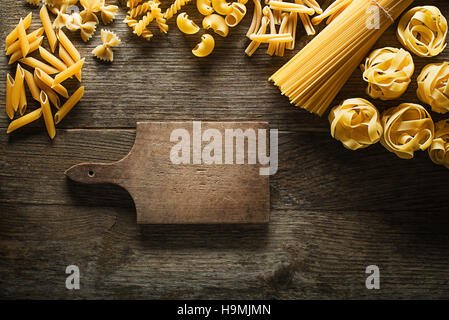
433,86
439,149
43,88
314,76
407,128
423,31
104,51
356,124
388,72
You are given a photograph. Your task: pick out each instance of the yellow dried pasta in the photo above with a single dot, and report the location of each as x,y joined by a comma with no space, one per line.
407,128
104,51
439,149
356,123
433,86
388,72
423,31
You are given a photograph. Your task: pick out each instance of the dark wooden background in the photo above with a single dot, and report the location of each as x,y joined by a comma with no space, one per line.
333,211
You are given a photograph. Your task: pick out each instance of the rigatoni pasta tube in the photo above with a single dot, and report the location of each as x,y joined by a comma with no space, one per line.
14,35
64,55
51,59
48,27
47,80
67,73
68,45
18,83
29,79
34,63
9,87
48,117
70,103
26,119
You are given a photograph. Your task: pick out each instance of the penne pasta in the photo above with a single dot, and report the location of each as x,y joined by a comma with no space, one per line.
14,35
18,84
34,63
24,120
31,37
33,47
64,55
9,87
68,46
34,89
48,81
48,27
48,116
70,103
23,40
51,59
22,101
70,71
54,98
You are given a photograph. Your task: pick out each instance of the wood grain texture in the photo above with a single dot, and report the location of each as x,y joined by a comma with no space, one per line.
191,192
333,211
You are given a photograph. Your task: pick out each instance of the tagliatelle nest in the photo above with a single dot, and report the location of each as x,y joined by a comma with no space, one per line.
433,86
407,128
104,51
439,149
388,72
423,31
356,123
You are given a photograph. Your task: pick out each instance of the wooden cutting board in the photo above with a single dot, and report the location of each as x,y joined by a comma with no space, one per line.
193,193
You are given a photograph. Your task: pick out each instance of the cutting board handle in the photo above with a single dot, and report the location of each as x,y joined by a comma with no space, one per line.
94,173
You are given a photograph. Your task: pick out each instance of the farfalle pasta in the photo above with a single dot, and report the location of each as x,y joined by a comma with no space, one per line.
423,31
356,124
388,72
433,86
439,149
104,51
407,128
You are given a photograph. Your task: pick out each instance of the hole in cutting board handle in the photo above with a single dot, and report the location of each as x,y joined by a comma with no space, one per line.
91,173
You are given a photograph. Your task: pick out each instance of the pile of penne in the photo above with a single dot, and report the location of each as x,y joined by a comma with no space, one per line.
42,86
285,15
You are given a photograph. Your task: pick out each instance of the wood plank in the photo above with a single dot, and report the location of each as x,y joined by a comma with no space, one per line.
300,254
312,166
192,191
162,80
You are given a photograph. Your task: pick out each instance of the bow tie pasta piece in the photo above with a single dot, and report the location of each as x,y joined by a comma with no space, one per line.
439,149
90,8
104,51
423,31
433,86
356,124
407,128
388,72
108,13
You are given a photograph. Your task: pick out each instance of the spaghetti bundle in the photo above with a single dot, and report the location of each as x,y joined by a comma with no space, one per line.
313,78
